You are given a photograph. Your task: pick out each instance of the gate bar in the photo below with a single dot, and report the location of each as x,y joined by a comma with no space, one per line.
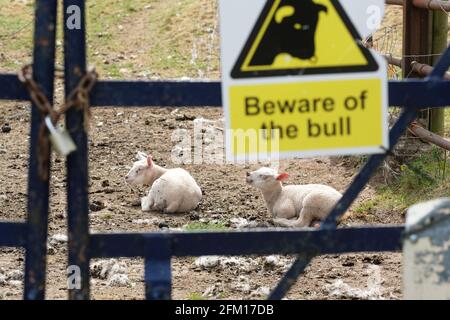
12,88
38,190
77,162
158,272
13,234
250,242
414,92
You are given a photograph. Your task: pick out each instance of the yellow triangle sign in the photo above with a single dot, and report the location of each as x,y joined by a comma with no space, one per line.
300,37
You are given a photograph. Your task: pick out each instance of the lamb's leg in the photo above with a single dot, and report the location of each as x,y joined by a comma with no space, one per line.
304,220
172,207
146,204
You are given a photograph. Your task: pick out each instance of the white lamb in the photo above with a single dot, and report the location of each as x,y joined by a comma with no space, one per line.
293,206
172,190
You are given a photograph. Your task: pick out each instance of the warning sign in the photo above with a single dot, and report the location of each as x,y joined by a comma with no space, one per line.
291,35
297,80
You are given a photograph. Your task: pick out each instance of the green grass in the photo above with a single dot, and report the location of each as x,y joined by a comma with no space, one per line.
16,33
152,37
366,206
424,178
196,296
203,226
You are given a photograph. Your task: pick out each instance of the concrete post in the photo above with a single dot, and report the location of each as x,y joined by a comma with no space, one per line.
426,251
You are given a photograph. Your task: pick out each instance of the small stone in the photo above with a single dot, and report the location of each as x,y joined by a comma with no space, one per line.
2,279
348,262
136,203
60,215
271,262
58,238
50,250
163,225
207,262
376,260
15,283
6,128
239,223
194,216
16,275
119,280
97,206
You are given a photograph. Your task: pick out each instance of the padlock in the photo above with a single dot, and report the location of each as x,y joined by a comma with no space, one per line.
60,138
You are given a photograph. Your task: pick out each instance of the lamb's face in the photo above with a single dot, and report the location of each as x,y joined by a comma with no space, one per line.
137,173
265,178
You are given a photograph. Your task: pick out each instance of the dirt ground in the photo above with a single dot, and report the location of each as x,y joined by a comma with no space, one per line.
116,135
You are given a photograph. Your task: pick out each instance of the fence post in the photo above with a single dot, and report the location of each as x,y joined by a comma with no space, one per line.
440,34
416,43
426,251
77,162
38,190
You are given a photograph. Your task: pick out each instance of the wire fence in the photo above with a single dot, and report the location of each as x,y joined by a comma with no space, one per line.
389,41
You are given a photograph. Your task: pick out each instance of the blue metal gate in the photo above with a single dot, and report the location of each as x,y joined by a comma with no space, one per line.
159,248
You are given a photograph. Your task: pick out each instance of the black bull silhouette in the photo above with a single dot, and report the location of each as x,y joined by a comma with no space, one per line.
290,31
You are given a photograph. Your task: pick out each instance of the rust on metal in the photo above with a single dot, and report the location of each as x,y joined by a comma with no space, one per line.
432,5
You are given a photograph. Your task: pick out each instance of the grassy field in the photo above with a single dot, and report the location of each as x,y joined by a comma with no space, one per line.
128,38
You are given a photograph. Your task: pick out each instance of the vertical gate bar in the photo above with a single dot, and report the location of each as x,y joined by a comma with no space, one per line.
158,273
77,162
417,26
38,190
347,199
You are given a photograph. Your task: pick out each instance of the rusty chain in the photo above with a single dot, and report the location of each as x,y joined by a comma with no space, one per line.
78,99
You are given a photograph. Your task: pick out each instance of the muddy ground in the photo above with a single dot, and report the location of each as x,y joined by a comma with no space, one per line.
116,135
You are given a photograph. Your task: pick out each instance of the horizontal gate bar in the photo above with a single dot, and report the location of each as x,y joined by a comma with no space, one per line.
156,93
11,88
416,93
255,242
13,234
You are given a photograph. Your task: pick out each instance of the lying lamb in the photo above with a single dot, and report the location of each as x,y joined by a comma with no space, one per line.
172,190
293,206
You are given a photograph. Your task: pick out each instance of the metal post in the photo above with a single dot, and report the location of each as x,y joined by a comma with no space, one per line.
417,25
158,274
77,162
38,190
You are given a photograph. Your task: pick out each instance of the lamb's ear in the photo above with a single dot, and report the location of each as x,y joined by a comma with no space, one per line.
149,161
141,156
282,176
